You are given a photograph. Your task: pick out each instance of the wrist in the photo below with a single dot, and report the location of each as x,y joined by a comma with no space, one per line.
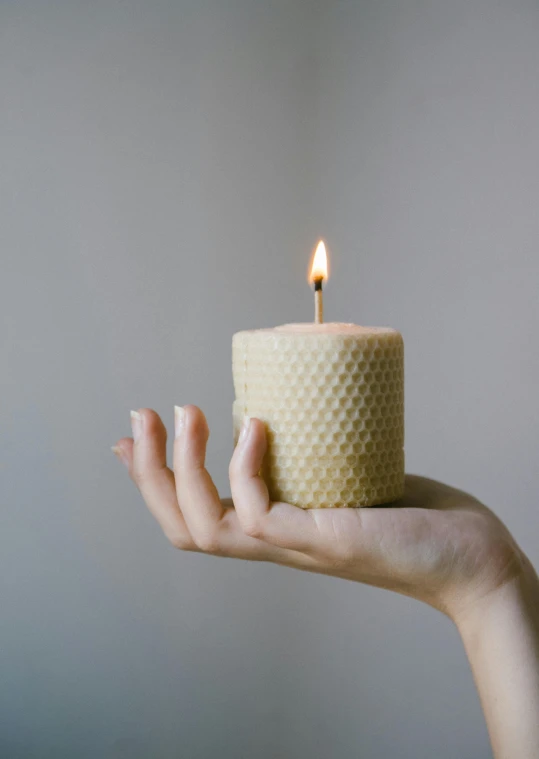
517,595
500,567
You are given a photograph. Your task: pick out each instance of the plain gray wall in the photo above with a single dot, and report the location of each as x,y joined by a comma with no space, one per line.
166,168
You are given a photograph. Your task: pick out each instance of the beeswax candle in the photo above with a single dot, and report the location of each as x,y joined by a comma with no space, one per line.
331,396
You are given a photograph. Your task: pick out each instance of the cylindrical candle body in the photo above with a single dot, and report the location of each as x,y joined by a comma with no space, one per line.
332,398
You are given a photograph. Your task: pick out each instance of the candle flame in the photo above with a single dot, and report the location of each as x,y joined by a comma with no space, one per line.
319,266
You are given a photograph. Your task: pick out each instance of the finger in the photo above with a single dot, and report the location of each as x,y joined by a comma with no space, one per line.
148,469
123,450
233,542
195,489
215,529
278,523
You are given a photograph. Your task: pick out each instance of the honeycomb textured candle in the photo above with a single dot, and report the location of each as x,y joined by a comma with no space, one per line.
332,398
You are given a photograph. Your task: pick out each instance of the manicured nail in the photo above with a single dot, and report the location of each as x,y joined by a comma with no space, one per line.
117,451
136,425
244,428
179,420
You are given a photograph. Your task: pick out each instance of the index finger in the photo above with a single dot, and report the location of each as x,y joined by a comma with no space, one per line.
279,523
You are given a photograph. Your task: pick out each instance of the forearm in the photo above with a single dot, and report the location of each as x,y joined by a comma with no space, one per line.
501,638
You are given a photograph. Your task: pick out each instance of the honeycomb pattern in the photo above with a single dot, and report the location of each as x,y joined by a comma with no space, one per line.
332,398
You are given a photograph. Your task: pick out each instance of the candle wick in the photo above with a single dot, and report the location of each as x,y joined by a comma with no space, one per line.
318,301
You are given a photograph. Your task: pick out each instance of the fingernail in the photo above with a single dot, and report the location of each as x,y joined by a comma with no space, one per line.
136,425
179,420
117,451
244,428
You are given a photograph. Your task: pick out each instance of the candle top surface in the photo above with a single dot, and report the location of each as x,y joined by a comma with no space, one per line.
326,328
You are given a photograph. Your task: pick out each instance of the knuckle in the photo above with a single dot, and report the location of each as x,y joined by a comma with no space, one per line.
146,474
254,528
209,542
181,541
139,476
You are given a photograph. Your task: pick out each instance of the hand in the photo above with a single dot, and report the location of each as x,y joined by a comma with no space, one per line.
437,544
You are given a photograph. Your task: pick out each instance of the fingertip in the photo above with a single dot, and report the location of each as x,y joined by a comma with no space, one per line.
191,439
248,454
123,450
257,434
195,421
152,422
255,443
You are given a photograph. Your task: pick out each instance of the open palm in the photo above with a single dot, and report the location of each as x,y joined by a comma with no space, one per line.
437,544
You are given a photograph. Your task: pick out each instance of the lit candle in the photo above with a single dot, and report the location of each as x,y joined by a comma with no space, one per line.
318,273
332,398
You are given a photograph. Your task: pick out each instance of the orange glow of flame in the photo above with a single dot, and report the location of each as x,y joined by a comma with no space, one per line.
319,266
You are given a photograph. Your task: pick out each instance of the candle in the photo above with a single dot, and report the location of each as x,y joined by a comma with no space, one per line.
331,396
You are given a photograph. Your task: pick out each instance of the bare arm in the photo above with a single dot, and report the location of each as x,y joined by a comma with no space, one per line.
501,637
438,544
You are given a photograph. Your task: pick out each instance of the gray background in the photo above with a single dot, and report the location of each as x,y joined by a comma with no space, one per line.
166,168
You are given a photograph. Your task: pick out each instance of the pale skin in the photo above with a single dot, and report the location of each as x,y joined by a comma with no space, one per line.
438,545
